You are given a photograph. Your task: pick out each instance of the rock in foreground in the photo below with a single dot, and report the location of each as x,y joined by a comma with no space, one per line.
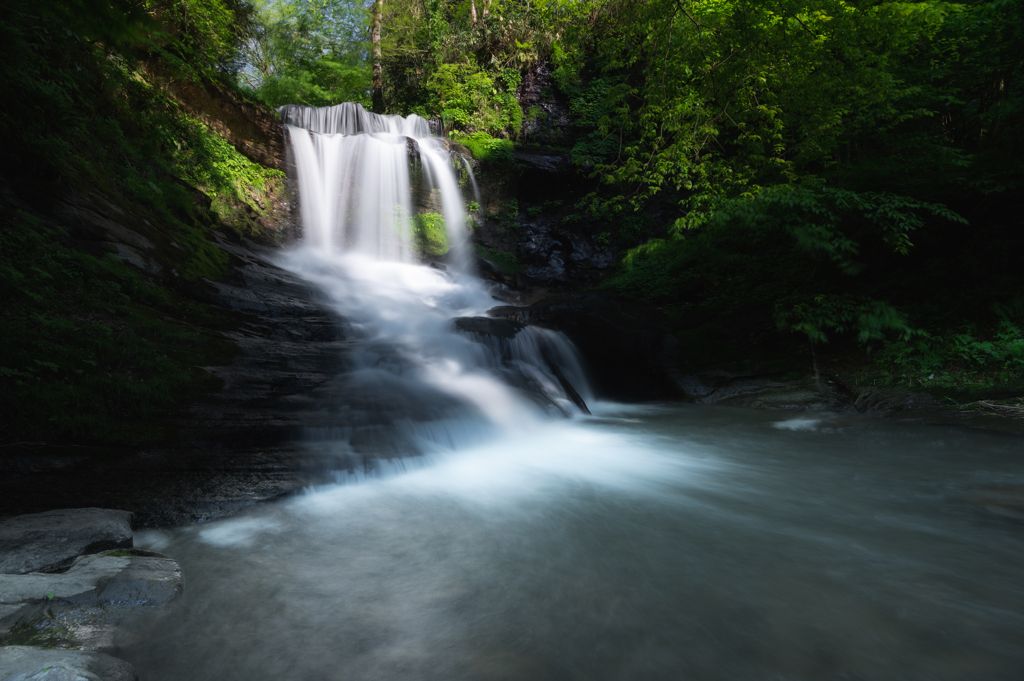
84,605
50,541
24,663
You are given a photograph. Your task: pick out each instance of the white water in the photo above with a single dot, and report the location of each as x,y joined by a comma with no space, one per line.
354,181
420,381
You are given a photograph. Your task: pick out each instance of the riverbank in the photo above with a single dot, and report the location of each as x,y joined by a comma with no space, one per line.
71,581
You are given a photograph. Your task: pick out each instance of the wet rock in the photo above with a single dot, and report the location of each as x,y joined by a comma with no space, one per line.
51,540
84,605
546,116
500,328
552,256
542,159
26,663
629,349
290,349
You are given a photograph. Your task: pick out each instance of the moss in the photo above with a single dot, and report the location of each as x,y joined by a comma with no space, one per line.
43,634
430,237
486,148
505,261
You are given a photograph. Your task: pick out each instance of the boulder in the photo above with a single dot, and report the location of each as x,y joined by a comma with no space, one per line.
50,541
630,351
84,605
27,663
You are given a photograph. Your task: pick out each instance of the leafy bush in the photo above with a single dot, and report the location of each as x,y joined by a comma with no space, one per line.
486,148
958,360
467,98
814,315
508,216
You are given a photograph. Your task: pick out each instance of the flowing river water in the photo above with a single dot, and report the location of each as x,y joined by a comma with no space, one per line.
476,523
650,542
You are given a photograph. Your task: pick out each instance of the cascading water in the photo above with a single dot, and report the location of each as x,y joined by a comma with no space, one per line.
415,380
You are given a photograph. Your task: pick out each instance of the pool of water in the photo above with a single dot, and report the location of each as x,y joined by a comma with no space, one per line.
648,542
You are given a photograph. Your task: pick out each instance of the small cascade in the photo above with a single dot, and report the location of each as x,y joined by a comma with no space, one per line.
416,381
476,188
354,180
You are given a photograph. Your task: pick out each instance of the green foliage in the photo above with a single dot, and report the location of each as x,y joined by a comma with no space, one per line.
430,236
729,94
201,37
95,119
504,260
825,221
467,98
486,148
508,216
958,361
207,161
814,315
311,53
89,346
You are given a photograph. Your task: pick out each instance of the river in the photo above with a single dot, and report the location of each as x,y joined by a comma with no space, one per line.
647,542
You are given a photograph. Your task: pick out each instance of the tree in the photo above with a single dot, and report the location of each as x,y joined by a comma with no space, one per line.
378,83
311,53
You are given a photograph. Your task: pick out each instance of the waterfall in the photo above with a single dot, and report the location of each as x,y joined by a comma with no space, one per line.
354,180
476,189
416,379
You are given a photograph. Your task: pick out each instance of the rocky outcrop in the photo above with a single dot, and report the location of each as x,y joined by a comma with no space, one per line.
231,448
290,348
546,115
513,343
630,351
49,541
499,328
83,604
24,663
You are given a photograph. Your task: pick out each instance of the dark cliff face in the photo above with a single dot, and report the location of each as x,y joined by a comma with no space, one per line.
546,114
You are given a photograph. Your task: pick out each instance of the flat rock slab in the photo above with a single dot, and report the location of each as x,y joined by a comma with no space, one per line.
84,605
26,663
51,540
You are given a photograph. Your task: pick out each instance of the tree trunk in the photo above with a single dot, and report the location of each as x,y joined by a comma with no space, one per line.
472,12
487,6
814,363
378,82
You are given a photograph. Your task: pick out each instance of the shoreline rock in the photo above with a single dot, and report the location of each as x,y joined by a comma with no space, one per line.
25,663
49,541
81,606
